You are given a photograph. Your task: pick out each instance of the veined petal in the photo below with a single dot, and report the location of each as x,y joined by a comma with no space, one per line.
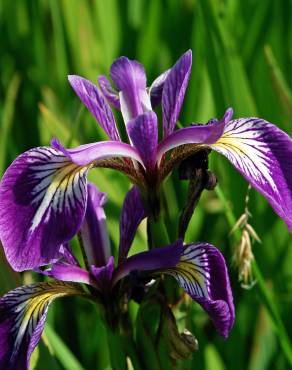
23,312
93,230
42,204
261,152
95,103
129,77
202,273
131,216
174,91
143,132
89,153
156,88
154,259
109,93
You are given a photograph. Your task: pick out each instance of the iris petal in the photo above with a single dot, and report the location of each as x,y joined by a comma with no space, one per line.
143,132
93,230
261,152
202,273
156,88
88,153
95,103
23,312
109,93
132,214
174,91
130,78
42,204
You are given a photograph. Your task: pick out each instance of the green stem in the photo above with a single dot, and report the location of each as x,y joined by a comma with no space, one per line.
264,292
158,231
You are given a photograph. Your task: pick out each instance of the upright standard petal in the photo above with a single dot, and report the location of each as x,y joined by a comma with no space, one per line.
156,88
42,204
262,153
174,91
93,230
143,132
95,103
132,214
202,273
109,93
23,312
129,77
87,154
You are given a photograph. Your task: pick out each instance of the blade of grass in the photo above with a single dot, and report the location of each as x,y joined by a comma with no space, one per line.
7,118
61,351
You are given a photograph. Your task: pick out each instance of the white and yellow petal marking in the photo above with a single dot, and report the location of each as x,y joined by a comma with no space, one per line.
244,144
23,314
43,199
202,273
262,153
192,271
59,184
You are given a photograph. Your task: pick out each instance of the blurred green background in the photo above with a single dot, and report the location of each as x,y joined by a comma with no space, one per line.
242,57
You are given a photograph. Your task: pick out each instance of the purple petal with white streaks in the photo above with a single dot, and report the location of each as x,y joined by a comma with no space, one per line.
95,103
143,132
202,273
261,152
132,214
23,312
174,91
89,153
108,92
93,230
42,204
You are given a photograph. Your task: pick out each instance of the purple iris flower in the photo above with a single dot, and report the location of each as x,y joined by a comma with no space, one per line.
45,188
199,268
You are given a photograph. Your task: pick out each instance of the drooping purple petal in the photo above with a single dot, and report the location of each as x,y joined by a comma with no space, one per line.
95,103
23,312
262,153
89,153
42,204
154,259
174,91
93,230
143,132
132,214
202,273
156,88
109,93
103,275
195,134
130,79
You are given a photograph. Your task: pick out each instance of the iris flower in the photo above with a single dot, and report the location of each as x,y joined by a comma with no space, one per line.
43,193
199,268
